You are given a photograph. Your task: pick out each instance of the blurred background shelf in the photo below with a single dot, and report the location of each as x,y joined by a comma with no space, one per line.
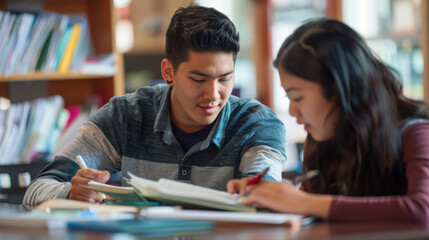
100,15
40,76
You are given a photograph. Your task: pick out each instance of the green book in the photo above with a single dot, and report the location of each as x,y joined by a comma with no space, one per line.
44,52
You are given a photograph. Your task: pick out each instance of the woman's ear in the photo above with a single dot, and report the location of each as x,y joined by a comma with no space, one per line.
167,71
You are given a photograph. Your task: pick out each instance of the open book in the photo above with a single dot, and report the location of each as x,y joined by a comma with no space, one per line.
174,192
124,194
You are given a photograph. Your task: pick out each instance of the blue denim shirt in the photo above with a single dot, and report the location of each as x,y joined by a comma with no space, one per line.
132,133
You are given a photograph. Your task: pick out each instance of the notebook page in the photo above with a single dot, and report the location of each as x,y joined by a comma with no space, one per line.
194,191
173,190
98,186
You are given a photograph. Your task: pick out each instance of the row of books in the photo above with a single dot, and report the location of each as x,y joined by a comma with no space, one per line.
38,130
47,42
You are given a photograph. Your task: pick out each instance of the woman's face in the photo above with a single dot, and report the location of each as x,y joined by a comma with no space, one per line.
309,106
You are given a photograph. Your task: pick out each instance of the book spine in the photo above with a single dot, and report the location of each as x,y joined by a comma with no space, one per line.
61,48
69,50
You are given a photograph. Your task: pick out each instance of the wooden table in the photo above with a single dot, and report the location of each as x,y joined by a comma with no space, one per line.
239,231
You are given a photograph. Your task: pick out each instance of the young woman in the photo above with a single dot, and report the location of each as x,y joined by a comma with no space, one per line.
369,142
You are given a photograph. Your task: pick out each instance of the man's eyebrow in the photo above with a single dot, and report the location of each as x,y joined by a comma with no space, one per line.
207,75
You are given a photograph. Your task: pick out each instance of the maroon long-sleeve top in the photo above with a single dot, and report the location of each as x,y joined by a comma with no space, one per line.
412,207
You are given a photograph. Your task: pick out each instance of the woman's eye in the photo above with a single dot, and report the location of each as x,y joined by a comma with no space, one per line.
297,99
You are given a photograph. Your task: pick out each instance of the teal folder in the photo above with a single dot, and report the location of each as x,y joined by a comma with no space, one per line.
146,227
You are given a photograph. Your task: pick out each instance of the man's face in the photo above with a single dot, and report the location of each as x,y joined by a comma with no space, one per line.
201,87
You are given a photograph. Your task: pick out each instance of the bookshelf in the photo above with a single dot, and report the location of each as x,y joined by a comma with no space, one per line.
74,86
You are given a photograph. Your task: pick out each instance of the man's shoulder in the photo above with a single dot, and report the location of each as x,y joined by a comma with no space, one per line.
143,99
147,92
142,96
248,117
237,102
248,106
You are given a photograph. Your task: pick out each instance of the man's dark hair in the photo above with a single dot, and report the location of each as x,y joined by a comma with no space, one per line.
199,29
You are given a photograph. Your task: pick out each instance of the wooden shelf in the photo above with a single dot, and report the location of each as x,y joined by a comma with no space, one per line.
101,22
40,76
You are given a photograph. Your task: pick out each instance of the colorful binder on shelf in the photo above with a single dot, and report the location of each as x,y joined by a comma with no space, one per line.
69,49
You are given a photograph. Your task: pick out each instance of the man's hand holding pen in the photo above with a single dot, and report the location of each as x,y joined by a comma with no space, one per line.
82,177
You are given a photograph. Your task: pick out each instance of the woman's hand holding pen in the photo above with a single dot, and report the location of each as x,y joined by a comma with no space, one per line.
280,197
82,177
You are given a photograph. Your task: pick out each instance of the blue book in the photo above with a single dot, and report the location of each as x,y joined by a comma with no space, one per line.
63,44
146,227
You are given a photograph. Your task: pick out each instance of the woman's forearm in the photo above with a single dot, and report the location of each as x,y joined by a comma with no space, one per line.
317,205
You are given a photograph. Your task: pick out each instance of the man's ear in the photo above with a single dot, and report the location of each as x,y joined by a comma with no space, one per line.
167,71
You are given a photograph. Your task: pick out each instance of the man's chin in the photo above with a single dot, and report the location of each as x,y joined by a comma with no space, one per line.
208,121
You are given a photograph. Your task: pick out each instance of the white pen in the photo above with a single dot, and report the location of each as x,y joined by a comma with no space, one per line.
307,176
82,165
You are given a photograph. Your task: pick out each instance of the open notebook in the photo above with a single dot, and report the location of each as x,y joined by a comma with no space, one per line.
124,194
174,192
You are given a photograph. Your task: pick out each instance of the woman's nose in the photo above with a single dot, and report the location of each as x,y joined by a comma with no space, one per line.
293,110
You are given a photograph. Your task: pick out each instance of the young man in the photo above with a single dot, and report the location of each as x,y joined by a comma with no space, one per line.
189,130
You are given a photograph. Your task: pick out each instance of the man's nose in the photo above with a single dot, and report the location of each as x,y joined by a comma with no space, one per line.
212,90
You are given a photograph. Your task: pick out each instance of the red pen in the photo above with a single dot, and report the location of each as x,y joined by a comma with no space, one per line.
258,177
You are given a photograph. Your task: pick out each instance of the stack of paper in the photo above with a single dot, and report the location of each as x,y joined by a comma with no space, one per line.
222,216
58,213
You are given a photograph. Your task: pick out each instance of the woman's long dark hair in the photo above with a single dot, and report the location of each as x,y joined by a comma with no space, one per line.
364,156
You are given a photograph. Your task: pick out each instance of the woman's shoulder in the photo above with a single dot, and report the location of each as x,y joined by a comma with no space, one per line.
415,138
413,125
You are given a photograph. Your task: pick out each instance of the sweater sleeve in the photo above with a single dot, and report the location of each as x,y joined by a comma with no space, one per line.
54,180
412,207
